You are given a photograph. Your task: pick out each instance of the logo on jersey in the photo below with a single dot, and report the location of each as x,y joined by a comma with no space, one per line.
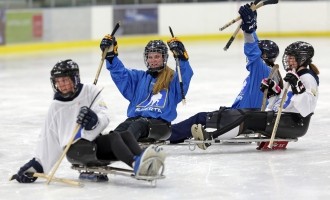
154,102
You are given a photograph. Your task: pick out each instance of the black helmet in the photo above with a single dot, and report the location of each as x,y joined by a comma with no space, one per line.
269,51
303,52
156,46
65,68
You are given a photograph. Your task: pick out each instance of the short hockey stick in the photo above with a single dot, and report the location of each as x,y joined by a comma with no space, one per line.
179,73
263,3
42,175
104,53
278,117
232,38
264,98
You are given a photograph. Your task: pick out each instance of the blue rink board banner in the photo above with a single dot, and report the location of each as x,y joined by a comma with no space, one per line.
136,19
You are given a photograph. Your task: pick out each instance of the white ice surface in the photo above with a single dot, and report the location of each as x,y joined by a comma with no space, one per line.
221,172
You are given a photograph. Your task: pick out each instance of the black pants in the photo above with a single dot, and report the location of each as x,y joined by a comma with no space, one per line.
291,125
138,127
114,146
141,128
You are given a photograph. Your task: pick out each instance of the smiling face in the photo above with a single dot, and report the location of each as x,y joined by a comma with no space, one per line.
155,60
291,62
155,55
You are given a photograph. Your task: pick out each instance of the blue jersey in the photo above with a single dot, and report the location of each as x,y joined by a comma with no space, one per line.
136,86
250,96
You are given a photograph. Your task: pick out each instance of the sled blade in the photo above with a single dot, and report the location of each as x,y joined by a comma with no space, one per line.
277,145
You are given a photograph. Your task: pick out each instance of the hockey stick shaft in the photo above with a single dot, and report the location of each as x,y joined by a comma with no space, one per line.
60,180
74,133
271,75
104,54
45,176
263,3
264,98
279,113
179,73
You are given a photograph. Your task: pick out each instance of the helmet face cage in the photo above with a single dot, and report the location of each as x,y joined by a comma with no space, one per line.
157,46
303,53
269,51
62,69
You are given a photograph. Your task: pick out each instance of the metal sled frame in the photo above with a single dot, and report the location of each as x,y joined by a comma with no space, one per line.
243,139
83,158
105,170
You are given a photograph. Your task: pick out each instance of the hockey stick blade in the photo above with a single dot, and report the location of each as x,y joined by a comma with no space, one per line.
267,2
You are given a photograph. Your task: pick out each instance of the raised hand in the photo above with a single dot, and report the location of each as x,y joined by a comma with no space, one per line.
249,18
177,48
110,45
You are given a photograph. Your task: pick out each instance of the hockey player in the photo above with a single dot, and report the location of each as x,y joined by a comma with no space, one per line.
153,94
74,103
261,55
302,77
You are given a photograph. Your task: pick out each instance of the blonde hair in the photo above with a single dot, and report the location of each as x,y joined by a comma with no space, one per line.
163,80
314,69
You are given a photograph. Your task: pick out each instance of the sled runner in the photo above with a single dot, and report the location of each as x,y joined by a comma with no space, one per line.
83,157
279,143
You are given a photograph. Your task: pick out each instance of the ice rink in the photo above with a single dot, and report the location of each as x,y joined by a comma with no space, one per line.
221,172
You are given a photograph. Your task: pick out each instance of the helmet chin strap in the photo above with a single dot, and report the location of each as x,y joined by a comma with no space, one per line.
67,95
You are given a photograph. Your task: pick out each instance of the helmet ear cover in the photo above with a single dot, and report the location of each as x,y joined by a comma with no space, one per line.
157,46
65,68
303,52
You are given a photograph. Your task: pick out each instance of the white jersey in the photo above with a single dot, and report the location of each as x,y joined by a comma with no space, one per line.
61,122
303,103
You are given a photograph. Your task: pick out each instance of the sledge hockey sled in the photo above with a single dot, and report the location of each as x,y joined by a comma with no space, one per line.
290,127
83,157
279,143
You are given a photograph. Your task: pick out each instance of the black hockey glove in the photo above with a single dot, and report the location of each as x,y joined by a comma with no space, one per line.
87,118
25,173
249,18
273,88
177,48
109,44
296,85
